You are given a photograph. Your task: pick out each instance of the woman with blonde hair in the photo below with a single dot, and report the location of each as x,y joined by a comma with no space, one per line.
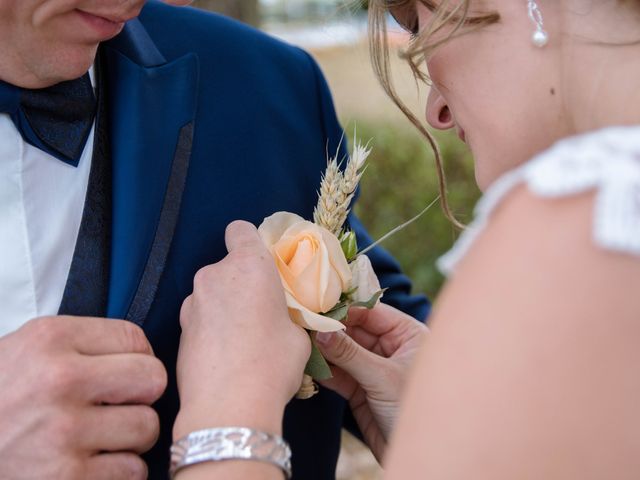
531,367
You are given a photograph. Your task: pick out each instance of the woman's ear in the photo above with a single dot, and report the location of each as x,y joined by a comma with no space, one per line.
438,114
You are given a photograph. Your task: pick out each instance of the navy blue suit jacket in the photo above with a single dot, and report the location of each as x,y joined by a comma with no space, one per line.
212,121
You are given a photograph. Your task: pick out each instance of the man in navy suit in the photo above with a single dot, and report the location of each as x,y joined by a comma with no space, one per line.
115,188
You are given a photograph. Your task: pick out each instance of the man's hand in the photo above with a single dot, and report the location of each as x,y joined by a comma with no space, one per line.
74,401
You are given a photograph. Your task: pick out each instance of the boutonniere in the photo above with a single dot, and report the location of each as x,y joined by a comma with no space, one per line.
322,271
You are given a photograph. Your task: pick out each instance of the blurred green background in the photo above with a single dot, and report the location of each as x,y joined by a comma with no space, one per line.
399,183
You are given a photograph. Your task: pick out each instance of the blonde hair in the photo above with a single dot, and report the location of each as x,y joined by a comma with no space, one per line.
449,15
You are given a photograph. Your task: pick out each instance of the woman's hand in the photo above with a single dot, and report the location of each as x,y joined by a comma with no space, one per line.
241,359
371,361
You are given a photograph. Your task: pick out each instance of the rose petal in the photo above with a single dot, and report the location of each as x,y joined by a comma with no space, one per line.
331,283
364,278
284,275
338,260
310,320
273,227
303,256
315,277
308,288
286,249
318,287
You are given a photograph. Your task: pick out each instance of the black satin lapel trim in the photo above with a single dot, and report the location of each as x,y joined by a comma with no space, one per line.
166,227
87,287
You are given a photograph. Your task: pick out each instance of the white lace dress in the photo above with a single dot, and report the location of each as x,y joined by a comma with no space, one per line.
607,161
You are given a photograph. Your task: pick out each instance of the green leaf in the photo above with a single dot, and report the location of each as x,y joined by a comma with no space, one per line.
339,312
371,302
317,367
345,297
349,245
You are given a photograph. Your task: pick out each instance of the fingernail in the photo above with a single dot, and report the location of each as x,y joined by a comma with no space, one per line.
323,338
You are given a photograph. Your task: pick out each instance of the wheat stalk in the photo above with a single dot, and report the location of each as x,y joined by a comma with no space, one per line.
308,388
351,178
334,199
337,189
326,210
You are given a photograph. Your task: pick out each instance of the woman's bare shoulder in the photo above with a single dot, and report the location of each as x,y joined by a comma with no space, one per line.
531,369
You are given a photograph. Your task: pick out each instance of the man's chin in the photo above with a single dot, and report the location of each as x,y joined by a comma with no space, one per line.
69,66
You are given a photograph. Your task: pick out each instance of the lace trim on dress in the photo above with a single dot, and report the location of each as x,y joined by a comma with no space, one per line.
607,161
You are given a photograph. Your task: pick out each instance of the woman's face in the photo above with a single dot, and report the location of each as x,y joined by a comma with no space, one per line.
503,95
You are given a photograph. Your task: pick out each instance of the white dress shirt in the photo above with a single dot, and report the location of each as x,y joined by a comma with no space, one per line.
41,204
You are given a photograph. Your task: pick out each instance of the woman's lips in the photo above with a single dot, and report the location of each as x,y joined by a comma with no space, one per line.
104,28
462,135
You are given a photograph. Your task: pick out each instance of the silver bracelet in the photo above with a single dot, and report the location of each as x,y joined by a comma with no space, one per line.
230,443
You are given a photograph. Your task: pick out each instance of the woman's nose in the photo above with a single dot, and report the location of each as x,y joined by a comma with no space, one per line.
438,114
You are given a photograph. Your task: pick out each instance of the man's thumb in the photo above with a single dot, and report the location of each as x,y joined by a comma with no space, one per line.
342,351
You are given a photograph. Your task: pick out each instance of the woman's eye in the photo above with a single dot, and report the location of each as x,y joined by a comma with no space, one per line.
406,17
413,28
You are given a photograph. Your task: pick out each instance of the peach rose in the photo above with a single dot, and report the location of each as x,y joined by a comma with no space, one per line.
312,267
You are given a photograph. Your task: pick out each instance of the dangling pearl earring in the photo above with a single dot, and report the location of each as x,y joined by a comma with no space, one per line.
540,37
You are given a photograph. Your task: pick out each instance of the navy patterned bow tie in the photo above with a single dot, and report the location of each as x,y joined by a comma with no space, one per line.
56,119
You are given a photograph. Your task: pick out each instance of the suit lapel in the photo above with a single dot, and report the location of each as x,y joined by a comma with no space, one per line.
152,106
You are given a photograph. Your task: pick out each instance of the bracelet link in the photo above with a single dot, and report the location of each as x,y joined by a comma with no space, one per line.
230,443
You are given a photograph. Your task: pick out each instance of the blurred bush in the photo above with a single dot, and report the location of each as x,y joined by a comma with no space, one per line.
400,181
247,11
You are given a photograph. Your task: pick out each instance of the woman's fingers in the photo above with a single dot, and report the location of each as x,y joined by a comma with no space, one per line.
249,257
341,382
382,329
341,350
241,234
367,340
380,320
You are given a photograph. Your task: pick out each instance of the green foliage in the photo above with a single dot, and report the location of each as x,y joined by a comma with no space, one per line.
317,367
349,245
400,181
